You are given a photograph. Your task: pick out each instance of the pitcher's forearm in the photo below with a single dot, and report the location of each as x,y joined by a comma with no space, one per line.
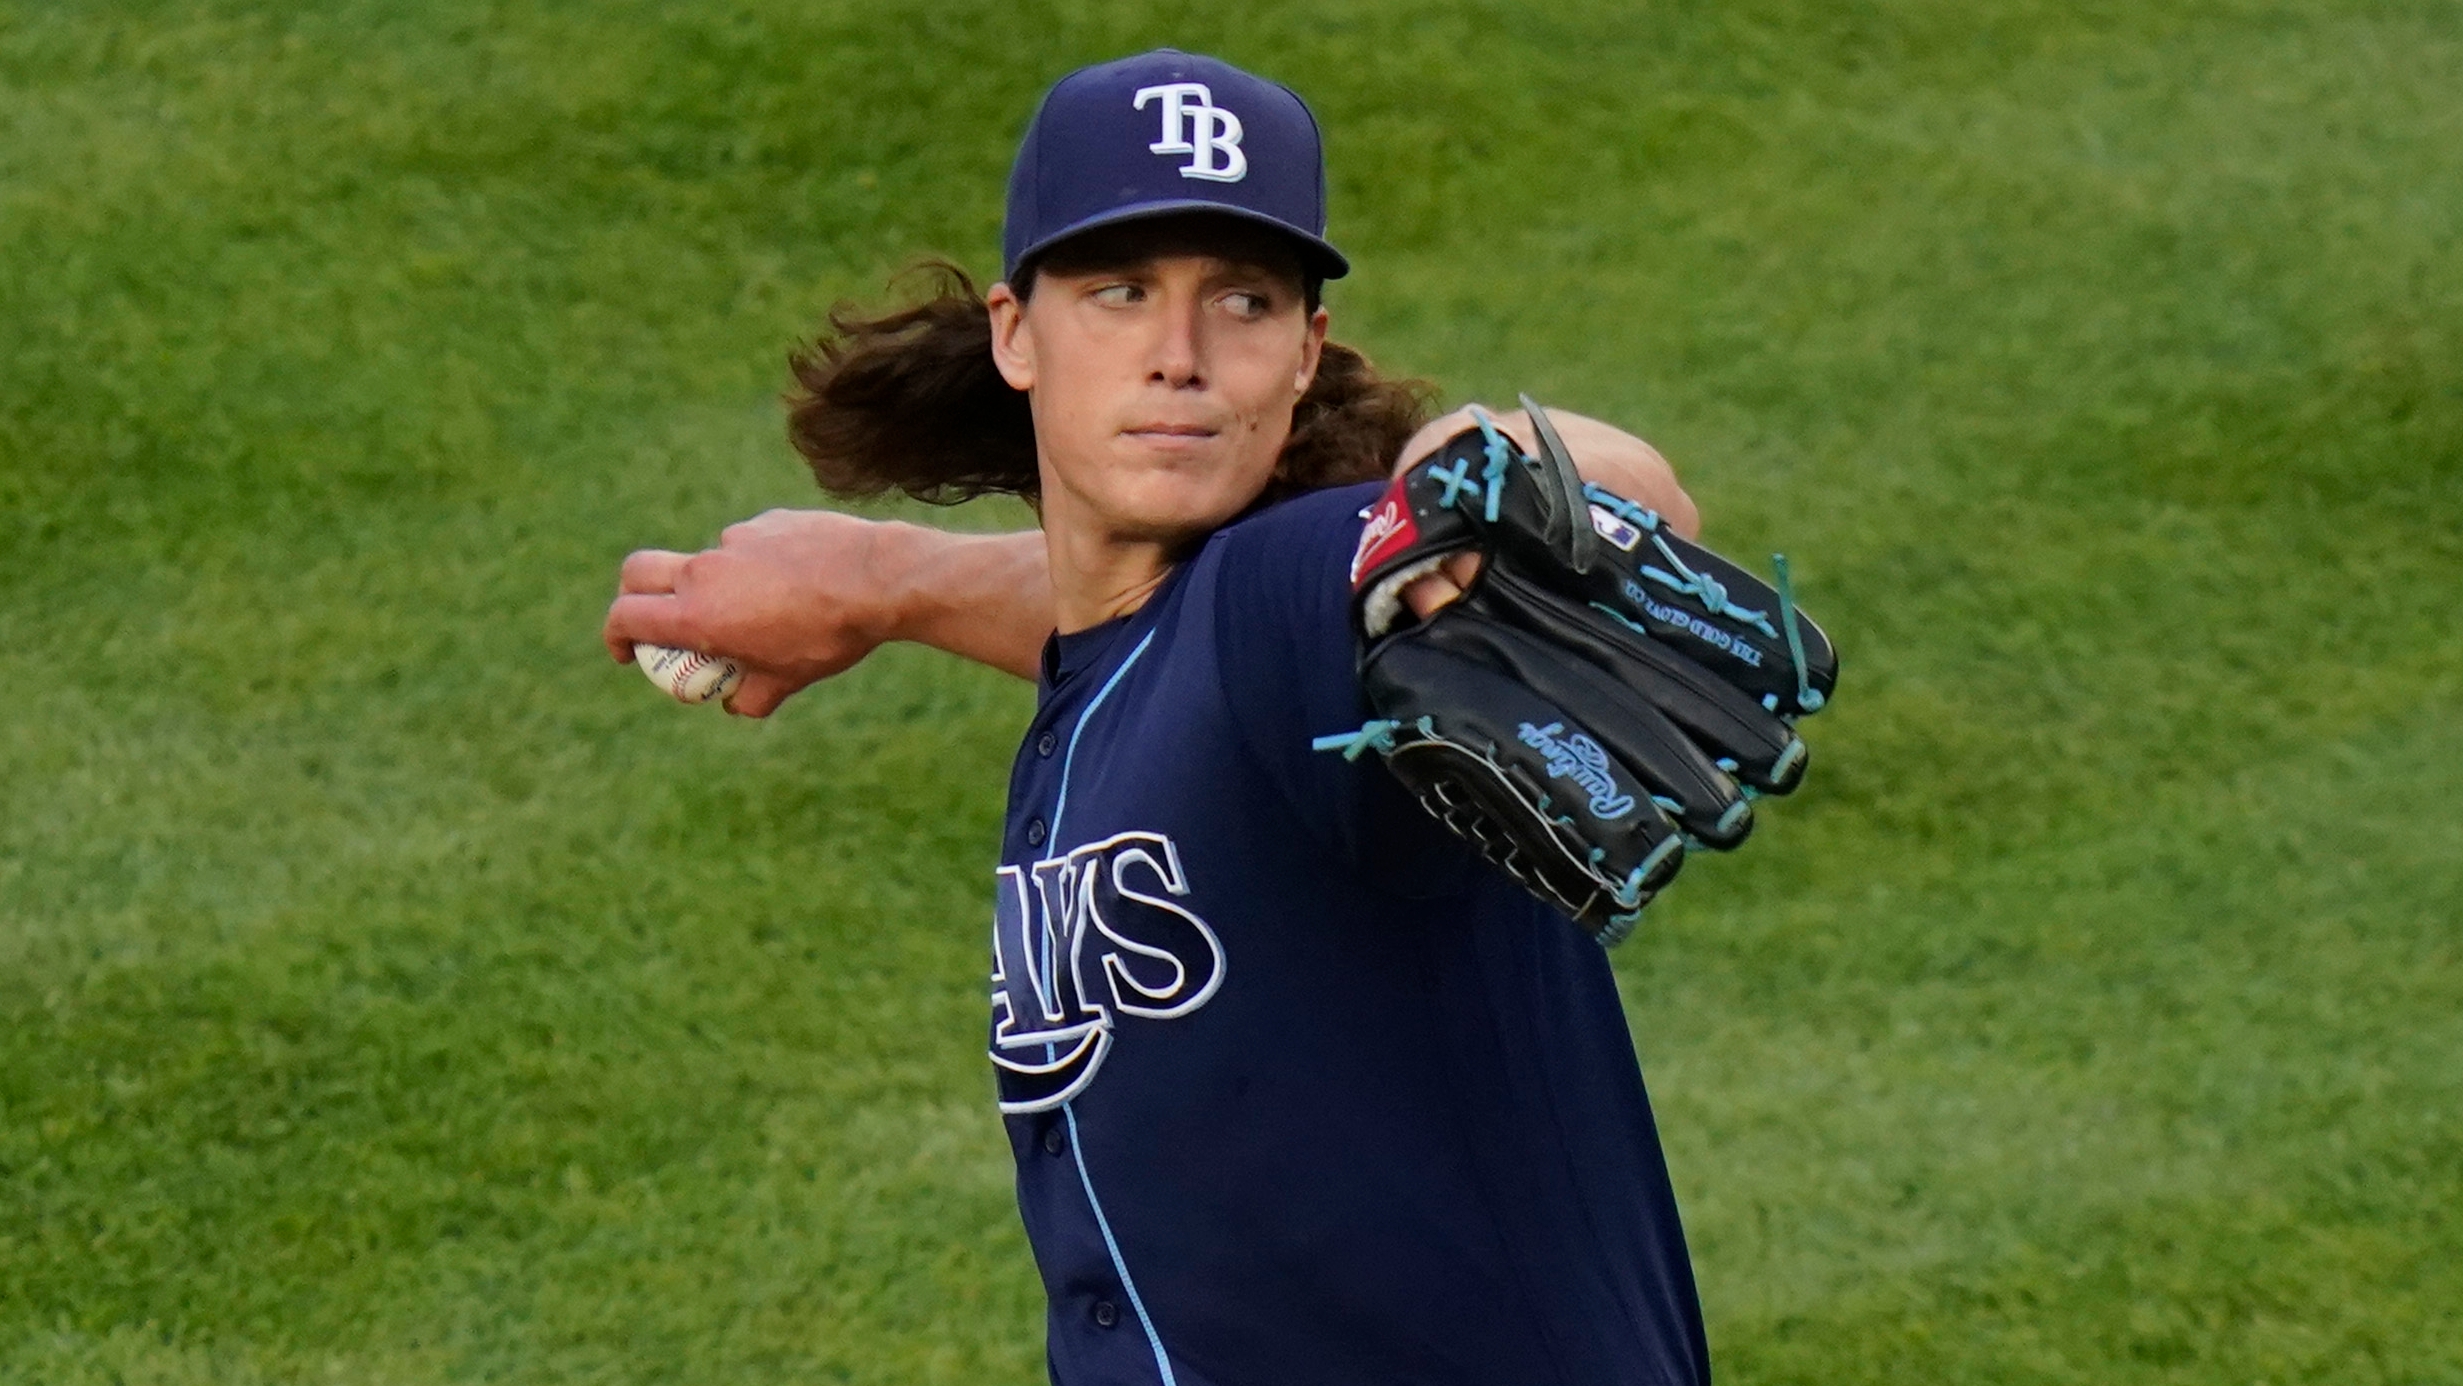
1602,453
798,596
984,597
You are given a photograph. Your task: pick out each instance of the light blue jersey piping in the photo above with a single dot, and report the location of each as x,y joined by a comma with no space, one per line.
1077,1148
1060,804
1069,758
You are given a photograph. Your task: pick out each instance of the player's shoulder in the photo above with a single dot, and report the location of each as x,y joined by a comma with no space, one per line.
1286,530
1273,591
1285,562
1337,507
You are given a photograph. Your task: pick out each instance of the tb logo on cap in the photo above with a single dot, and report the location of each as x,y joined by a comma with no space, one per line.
1202,130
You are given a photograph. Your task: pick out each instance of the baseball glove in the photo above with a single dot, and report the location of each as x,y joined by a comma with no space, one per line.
1604,693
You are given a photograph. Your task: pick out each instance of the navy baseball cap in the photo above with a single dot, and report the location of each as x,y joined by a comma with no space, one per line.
1162,133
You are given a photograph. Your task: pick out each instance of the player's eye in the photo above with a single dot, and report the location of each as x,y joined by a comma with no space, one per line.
1246,305
1119,295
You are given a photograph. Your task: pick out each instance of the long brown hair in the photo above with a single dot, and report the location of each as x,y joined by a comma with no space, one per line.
908,399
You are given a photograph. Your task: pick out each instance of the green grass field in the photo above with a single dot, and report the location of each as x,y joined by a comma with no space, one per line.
393,991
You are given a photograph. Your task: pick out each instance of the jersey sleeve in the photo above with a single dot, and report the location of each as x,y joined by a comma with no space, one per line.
1288,665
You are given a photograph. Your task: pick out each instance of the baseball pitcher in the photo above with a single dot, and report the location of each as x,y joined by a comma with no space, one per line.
1356,736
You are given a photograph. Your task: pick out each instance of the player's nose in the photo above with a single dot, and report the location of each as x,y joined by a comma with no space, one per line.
1177,349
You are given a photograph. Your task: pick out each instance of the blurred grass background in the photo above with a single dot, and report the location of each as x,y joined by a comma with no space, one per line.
393,991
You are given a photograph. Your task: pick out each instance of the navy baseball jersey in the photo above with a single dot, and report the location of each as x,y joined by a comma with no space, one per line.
1299,1090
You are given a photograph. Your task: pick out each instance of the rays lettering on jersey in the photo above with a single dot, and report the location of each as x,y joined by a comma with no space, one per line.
1080,940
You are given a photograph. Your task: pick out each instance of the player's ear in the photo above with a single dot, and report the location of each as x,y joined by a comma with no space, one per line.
1311,352
1013,349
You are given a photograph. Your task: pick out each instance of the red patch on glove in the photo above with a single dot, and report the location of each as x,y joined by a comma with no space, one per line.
1389,531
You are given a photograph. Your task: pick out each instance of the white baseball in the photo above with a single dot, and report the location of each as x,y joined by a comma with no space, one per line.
689,676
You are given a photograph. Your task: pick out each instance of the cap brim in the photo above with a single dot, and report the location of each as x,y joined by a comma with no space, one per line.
1318,255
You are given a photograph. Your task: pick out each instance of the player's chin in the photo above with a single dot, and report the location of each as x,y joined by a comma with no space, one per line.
1175,527
1178,504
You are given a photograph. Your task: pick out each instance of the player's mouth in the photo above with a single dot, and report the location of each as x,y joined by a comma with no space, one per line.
1170,434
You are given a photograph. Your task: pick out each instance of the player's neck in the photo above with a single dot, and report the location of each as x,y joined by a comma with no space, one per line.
1097,577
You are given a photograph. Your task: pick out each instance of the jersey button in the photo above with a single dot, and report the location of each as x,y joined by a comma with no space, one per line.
1053,1141
1034,832
1107,1314
1047,743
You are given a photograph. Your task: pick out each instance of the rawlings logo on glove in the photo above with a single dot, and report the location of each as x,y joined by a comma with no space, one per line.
1389,531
